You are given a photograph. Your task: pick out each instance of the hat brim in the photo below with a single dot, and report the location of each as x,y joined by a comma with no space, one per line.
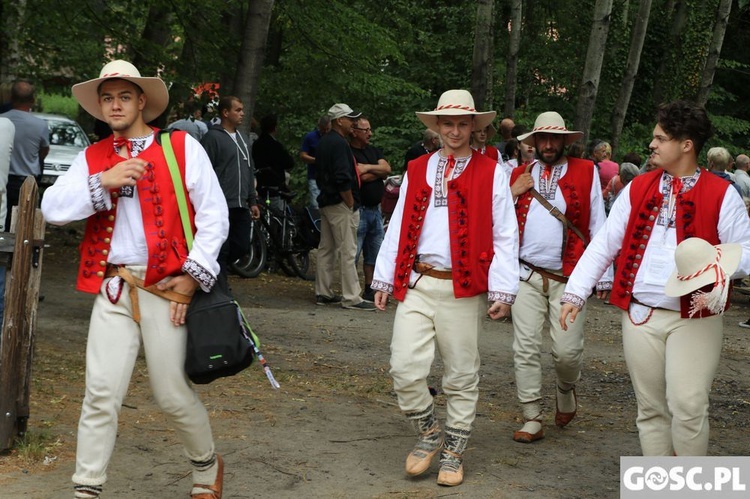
570,136
430,118
730,261
157,96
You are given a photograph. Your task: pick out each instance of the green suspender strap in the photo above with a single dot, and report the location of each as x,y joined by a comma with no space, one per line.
179,188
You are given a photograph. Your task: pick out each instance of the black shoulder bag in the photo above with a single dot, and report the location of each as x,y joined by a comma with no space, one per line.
220,341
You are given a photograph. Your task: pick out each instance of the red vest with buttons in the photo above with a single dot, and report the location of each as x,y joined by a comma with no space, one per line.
165,238
469,220
576,190
705,198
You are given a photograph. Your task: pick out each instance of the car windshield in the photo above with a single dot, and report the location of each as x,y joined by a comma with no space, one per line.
63,133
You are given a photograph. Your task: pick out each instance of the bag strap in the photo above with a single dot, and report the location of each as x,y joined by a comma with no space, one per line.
555,212
179,187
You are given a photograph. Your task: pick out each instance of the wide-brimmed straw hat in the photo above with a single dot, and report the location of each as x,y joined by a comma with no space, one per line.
698,264
550,122
456,103
157,96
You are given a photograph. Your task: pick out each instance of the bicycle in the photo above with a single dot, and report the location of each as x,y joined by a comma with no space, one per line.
275,237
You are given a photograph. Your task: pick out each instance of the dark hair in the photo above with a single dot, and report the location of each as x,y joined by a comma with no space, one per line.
268,123
684,120
576,149
22,92
138,88
518,129
632,157
225,103
511,148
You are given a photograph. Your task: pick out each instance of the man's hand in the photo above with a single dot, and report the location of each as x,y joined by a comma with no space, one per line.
381,300
603,294
185,285
523,183
254,211
126,172
498,310
568,309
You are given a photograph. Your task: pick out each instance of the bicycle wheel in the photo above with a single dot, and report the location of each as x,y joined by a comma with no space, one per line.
295,260
254,262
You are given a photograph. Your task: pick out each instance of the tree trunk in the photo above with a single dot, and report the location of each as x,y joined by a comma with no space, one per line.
679,11
11,14
156,35
717,40
252,53
631,70
481,70
511,65
593,68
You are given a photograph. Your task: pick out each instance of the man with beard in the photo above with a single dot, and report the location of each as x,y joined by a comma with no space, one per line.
559,208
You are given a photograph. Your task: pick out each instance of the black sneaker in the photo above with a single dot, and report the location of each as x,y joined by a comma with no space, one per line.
745,324
364,305
327,300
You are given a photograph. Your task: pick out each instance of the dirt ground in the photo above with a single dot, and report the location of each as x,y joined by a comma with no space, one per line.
333,429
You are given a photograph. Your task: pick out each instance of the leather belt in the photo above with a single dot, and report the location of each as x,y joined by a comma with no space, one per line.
546,275
134,283
429,270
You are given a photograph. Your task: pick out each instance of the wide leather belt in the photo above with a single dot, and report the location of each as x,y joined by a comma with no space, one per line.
546,275
134,283
429,270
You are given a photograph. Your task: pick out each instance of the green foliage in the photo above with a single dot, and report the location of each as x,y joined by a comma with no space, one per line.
35,445
58,104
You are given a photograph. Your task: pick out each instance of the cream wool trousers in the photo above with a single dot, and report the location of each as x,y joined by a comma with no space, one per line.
113,343
338,235
672,364
430,316
533,306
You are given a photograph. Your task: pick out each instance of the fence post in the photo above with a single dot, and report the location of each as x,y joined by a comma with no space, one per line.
21,300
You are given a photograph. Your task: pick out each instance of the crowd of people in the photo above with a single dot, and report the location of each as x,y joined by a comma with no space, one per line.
526,228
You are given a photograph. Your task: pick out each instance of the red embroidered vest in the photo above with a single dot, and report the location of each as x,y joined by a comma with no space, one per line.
165,238
704,199
470,225
576,190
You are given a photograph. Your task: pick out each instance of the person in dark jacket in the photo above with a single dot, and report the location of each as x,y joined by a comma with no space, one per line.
272,160
229,152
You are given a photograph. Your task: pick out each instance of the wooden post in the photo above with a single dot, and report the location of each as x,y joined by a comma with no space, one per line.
21,300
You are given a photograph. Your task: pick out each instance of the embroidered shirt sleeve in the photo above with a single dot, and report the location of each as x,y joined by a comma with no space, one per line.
201,274
97,192
604,286
381,286
500,296
574,300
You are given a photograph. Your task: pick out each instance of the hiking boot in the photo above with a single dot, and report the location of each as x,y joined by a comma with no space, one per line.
327,300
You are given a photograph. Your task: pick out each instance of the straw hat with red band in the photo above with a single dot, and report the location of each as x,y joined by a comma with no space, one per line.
157,96
699,264
456,103
550,122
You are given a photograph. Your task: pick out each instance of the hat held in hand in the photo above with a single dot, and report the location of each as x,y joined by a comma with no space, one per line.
699,264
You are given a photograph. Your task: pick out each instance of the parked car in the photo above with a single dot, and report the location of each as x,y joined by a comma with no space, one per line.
66,140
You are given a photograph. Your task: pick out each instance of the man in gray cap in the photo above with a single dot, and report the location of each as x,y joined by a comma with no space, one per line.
339,202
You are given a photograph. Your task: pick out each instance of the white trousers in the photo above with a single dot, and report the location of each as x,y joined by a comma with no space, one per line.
430,316
113,343
672,363
338,234
534,306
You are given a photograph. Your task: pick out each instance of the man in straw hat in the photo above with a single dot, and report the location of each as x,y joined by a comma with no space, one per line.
559,209
123,188
452,239
671,330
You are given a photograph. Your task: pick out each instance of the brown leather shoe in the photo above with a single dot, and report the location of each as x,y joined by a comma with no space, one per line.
419,459
216,488
451,470
563,418
526,437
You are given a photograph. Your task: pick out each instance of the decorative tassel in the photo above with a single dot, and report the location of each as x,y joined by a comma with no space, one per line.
715,300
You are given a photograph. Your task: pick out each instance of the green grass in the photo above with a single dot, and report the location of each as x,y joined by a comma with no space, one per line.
57,104
35,445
